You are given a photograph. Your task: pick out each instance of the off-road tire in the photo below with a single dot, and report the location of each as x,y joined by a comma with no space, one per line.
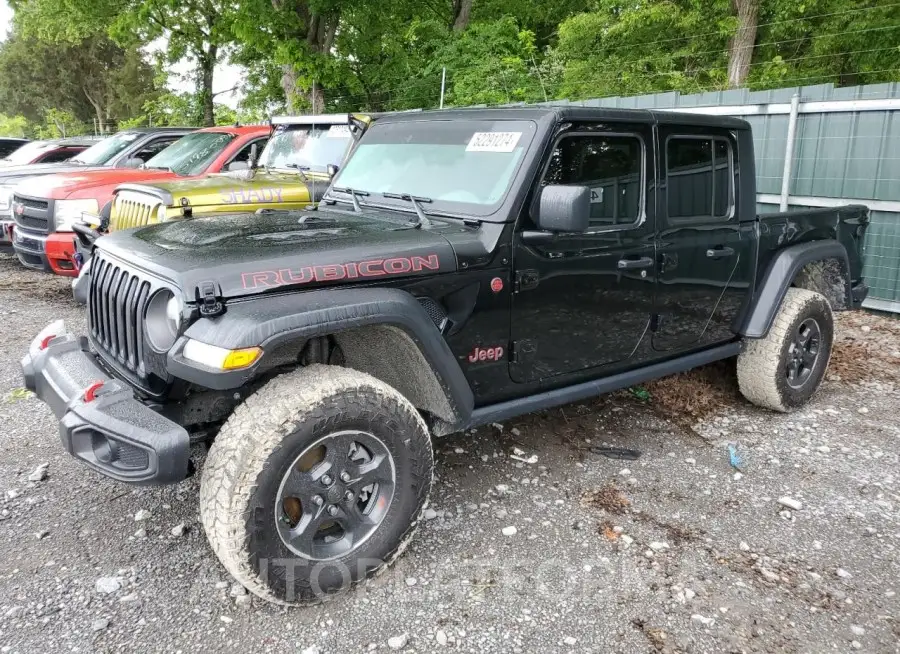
260,442
762,365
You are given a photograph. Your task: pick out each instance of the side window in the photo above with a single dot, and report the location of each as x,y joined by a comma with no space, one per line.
154,147
243,154
698,173
63,154
611,166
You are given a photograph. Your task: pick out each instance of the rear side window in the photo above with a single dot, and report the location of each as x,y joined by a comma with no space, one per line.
154,147
700,183
63,154
610,165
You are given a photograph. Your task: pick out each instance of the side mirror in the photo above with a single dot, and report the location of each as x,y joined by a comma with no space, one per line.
564,209
254,156
238,165
332,169
133,162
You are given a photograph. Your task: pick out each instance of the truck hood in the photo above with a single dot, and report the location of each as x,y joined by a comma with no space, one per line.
14,174
247,254
61,186
240,187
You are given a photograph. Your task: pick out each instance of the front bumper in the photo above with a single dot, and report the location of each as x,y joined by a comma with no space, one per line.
107,429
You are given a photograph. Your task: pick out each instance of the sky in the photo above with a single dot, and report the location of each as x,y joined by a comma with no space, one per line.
226,75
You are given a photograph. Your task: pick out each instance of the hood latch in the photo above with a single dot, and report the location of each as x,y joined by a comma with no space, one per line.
209,299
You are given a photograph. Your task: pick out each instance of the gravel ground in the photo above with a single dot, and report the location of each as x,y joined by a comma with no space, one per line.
673,552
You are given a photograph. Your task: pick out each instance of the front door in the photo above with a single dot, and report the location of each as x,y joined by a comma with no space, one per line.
705,254
585,300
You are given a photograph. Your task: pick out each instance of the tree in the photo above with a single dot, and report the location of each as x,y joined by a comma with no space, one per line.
740,50
13,125
822,41
298,35
199,30
94,80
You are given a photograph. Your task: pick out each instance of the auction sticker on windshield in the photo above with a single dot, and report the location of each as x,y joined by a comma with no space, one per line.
493,141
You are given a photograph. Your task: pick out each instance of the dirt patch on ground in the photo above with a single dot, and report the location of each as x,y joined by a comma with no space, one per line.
609,499
32,284
865,348
696,394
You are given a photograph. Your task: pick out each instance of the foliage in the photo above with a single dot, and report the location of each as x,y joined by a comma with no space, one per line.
59,124
93,79
197,30
329,55
13,125
645,47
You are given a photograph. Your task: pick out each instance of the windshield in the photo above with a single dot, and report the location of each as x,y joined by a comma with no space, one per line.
102,152
311,147
191,154
463,166
27,153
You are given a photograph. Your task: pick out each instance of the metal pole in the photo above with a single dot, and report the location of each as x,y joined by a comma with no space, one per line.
443,84
789,153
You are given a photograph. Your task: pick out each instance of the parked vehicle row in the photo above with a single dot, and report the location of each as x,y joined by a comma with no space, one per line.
461,268
169,174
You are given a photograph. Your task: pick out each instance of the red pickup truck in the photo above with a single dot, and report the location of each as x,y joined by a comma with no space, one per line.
45,208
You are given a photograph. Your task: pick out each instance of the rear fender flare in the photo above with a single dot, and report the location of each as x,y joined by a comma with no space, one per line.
385,332
781,274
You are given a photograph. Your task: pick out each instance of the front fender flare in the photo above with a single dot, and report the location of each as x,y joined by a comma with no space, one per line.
278,321
779,276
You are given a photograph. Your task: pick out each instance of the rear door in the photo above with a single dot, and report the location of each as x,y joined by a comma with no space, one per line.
704,253
585,300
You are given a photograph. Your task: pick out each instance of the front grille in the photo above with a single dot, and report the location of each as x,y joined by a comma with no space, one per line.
34,203
31,213
116,305
133,209
30,222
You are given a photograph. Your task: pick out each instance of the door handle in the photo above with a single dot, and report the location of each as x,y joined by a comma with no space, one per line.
719,252
635,264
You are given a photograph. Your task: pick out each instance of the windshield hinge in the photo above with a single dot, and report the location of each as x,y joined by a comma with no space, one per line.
209,299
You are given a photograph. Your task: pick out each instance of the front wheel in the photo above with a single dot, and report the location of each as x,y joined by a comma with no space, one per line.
783,370
315,483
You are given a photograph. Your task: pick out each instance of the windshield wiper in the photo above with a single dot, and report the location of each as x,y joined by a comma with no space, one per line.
300,169
353,193
166,168
414,200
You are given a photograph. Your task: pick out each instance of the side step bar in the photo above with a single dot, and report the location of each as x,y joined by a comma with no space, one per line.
559,396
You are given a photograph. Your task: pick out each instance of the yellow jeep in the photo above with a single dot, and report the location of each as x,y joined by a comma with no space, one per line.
292,172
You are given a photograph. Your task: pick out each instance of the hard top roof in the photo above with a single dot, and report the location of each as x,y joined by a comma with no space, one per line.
156,130
69,141
238,130
566,112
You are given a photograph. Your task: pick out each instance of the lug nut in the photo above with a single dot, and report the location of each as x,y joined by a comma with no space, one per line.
318,501
348,496
332,510
345,477
326,480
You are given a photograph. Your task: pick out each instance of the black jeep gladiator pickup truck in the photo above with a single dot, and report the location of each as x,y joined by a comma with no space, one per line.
465,267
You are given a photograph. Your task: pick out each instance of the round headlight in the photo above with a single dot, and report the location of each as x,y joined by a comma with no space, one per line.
163,320
161,213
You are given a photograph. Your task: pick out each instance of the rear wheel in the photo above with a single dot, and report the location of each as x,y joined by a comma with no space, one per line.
315,483
783,370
